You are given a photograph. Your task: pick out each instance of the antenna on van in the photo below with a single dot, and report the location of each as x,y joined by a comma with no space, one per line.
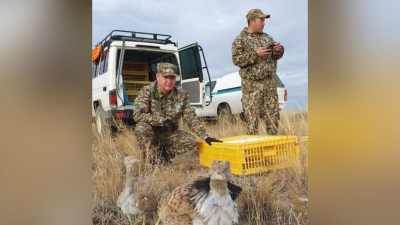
176,23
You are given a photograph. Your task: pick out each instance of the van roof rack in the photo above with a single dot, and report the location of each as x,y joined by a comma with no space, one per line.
136,36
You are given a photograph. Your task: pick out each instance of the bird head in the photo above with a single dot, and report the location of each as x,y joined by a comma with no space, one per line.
131,160
220,170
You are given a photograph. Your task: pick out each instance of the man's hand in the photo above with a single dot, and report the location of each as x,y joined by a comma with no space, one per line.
278,47
210,139
262,51
168,123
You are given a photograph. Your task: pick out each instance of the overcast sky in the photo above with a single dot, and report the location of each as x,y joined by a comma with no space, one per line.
214,24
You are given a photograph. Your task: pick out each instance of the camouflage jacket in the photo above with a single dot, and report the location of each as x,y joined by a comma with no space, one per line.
244,55
153,108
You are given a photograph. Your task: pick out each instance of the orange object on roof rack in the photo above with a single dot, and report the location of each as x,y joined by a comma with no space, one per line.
96,53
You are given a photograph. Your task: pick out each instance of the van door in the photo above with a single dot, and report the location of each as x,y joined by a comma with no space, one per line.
210,109
192,73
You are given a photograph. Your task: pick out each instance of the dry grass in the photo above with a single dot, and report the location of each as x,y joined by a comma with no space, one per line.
269,198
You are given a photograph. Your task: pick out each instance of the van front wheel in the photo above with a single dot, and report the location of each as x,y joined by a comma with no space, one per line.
224,113
100,120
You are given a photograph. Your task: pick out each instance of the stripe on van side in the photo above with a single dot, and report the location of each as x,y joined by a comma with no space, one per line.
228,90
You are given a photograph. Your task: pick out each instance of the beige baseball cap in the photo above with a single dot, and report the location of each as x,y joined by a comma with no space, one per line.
256,13
167,69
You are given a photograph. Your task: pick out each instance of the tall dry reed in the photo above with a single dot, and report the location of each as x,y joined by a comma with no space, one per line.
276,197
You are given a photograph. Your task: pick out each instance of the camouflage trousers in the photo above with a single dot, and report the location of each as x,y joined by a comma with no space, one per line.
159,145
260,101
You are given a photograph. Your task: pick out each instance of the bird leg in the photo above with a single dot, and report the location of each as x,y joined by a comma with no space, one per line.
129,217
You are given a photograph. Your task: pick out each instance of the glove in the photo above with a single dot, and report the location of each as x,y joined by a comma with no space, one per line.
168,123
210,139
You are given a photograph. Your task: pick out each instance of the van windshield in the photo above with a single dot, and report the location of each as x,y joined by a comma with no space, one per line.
278,81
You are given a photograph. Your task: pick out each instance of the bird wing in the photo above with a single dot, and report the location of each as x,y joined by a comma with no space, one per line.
177,203
146,201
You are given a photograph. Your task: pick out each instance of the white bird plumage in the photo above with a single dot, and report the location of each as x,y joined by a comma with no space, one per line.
135,202
209,201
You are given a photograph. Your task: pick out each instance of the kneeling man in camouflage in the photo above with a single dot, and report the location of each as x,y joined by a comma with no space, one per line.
157,110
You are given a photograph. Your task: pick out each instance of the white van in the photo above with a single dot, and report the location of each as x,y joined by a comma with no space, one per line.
125,61
224,96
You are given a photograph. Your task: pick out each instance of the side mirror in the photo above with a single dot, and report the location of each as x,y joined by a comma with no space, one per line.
209,102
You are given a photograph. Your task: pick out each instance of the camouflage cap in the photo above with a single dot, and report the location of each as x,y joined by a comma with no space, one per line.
167,69
256,13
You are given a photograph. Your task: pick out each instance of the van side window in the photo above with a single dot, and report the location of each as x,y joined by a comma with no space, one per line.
106,63
213,83
208,92
190,64
103,63
95,66
209,88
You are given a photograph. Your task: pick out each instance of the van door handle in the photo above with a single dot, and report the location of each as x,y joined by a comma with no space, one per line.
104,88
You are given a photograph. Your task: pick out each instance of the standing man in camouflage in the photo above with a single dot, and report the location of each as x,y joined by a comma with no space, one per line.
256,54
157,111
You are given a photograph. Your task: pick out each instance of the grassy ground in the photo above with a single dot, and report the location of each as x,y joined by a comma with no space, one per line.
276,197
